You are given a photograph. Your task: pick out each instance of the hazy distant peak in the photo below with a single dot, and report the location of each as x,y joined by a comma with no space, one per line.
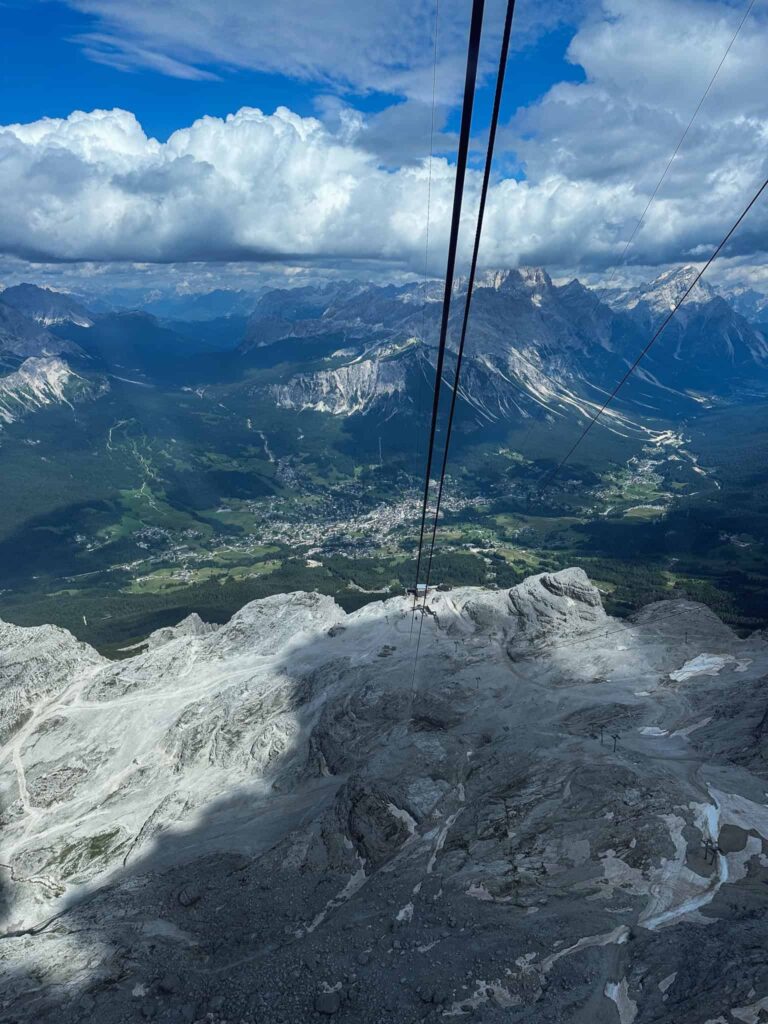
522,278
45,306
665,291
23,336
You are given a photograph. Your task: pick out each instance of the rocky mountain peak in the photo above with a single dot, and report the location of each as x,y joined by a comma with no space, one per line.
669,287
665,291
535,277
560,605
191,626
751,303
293,794
520,280
24,337
495,279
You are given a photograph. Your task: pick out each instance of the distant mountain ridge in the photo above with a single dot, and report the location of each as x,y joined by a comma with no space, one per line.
45,306
750,303
201,306
23,337
533,347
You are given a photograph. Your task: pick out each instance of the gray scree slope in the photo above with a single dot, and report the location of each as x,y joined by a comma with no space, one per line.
266,822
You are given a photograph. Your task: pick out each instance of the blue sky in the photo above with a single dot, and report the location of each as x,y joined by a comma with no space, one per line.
332,176
45,73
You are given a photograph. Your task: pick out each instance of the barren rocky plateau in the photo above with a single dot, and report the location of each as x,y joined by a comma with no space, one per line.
549,816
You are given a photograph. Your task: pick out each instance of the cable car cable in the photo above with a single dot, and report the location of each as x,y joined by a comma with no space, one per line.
473,50
473,268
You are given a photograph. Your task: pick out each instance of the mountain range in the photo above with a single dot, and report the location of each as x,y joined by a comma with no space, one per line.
535,349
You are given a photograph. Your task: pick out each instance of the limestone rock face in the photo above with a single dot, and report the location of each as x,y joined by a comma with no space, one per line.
24,337
559,605
192,625
37,663
574,584
290,813
44,381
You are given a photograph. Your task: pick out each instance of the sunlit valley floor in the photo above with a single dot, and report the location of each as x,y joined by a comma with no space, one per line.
158,468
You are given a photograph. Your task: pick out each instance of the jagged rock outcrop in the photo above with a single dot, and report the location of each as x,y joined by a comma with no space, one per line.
555,606
40,382
37,664
192,625
240,820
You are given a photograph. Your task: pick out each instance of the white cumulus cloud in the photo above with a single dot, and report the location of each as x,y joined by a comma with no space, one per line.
257,186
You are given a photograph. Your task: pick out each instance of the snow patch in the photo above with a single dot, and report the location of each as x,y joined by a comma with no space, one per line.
404,816
619,993
405,914
355,883
616,937
692,728
702,665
